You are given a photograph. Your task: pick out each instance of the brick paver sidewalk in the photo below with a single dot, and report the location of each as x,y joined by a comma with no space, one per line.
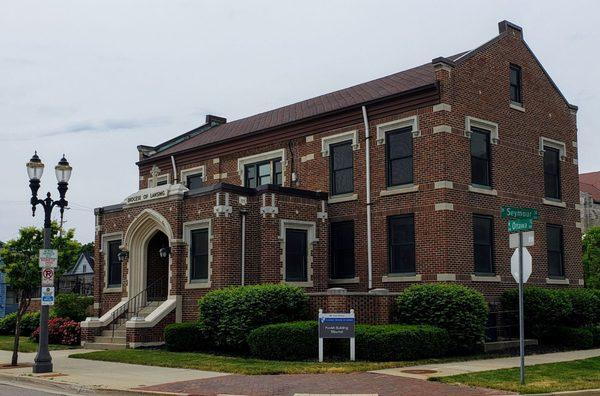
286,385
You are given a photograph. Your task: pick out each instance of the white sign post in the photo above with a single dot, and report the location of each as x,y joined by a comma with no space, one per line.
337,325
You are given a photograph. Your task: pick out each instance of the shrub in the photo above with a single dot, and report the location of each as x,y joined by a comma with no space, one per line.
571,337
187,337
29,322
586,307
230,314
460,310
63,331
544,309
595,330
299,341
73,306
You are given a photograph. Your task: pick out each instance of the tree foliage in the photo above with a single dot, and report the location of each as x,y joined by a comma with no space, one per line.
591,257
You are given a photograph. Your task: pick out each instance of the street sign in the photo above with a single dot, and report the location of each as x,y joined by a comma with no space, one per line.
527,264
48,258
48,295
519,213
528,239
337,325
516,225
48,276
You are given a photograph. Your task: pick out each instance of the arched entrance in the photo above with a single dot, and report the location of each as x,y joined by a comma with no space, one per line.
145,236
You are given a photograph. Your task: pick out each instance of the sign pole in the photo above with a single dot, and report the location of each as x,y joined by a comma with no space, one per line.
521,311
43,360
320,338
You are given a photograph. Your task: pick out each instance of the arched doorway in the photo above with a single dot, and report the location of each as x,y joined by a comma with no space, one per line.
157,268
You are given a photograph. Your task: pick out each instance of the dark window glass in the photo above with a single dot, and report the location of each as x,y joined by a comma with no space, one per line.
265,172
515,84
342,250
399,153
342,172
483,244
161,182
114,265
401,244
199,254
551,172
194,181
554,243
480,157
295,255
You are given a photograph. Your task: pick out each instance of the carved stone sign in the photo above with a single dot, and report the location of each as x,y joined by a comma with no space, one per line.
153,193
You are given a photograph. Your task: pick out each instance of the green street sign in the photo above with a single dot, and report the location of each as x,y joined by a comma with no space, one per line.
519,213
516,225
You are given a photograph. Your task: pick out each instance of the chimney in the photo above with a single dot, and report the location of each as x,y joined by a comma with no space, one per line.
511,28
214,120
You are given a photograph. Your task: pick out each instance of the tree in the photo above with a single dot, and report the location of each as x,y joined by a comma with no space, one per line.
591,257
22,270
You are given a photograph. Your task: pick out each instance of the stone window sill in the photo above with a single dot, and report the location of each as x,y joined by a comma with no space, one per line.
486,278
401,189
517,106
343,281
446,277
198,284
557,281
482,190
113,289
342,198
552,202
300,284
402,278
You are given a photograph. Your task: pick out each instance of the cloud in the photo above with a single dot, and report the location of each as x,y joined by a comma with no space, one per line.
109,125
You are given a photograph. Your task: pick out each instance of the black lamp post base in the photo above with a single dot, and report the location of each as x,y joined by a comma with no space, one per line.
42,367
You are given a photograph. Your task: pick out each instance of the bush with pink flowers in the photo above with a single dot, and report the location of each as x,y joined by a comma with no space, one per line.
63,331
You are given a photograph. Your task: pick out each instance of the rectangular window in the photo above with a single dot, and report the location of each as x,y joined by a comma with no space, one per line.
515,84
342,168
265,172
480,157
295,255
399,155
554,246
483,244
342,250
401,244
162,182
551,172
199,254
114,265
194,181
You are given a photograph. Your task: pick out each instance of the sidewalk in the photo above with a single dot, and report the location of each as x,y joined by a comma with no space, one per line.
91,374
471,366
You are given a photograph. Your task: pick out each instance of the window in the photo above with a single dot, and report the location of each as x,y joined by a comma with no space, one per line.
341,165
114,265
551,172
399,154
194,181
265,172
295,255
480,157
515,84
554,246
483,244
401,244
342,250
199,254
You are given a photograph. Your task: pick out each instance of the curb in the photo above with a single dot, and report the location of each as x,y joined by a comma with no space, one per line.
569,393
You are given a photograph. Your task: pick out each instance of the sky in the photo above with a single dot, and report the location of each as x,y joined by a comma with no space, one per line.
94,79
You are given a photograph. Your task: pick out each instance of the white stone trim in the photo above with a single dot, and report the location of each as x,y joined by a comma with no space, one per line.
560,146
188,227
489,126
482,190
173,302
446,277
442,128
444,206
104,320
153,181
551,202
218,176
216,160
339,138
401,189
486,278
575,161
516,106
382,129
311,235
307,157
581,282
106,238
442,107
343,281
269,155
553,281
310,138
401,278
342,198
443,184
197,170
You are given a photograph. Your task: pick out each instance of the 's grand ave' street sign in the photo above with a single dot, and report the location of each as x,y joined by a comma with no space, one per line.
519,213
516,225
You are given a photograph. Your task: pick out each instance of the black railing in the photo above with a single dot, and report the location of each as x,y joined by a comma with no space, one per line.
156,291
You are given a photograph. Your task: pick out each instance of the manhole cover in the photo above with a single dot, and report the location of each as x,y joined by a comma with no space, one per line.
419,371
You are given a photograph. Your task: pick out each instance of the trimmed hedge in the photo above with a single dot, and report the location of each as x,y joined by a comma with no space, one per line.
595,330
585,307
462,311
571,337
298,341
187,337
230,314
72,306
29,322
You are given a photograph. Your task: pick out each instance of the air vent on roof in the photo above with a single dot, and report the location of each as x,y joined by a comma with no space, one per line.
215,120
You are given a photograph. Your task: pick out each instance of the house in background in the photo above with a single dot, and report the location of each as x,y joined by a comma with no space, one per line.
80,279
8,301
589,186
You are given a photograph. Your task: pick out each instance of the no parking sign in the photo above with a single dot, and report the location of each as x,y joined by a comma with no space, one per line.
48,276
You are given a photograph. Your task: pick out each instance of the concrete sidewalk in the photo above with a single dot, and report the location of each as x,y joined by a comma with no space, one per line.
91,374
445,369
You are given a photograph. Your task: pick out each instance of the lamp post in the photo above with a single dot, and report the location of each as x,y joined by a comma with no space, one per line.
35,169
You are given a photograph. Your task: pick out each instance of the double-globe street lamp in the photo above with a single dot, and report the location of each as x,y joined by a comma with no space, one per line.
35,169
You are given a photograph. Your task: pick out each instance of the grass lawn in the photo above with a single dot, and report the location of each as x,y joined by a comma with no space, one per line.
541,378
25,344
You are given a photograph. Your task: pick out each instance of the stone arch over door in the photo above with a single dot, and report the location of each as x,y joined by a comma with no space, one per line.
138,235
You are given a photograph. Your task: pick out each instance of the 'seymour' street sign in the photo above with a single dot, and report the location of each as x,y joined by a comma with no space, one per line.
519,213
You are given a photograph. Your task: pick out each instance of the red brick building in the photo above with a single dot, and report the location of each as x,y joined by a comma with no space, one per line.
353,195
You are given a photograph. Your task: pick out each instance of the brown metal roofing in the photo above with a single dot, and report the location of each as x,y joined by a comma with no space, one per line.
590,183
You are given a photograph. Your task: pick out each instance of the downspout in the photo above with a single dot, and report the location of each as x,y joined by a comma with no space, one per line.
243,252
174,169
368,171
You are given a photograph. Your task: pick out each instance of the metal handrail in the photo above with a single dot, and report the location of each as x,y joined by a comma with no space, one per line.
135,304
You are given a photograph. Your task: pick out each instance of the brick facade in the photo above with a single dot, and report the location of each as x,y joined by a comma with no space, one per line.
467,88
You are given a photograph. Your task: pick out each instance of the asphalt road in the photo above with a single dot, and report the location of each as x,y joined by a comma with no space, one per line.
13,388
